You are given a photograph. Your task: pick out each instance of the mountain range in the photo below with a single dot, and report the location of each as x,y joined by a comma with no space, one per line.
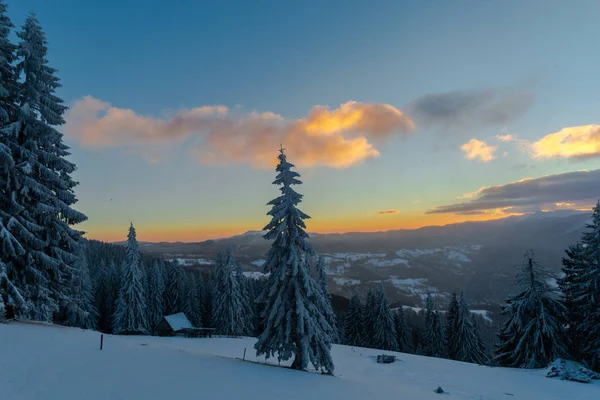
478,257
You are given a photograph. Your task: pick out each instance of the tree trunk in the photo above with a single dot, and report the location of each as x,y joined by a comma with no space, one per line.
297,364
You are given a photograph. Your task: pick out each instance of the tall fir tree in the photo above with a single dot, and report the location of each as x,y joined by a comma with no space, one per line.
175,288
192,305
468,343
533,336
246,295
81,309
156,293
228,310
452,327
402,331
131,312
353,323
385,329
481,347
39,212
295,312
330,314
428,328
201,291
370,316
581,287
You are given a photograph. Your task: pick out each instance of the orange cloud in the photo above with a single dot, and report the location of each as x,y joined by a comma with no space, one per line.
387,212
478,149
571,142
335,138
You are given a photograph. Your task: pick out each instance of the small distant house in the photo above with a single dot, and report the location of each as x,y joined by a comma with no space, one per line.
179,325
171,325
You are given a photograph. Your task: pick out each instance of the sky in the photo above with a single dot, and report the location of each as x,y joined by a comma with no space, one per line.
397,114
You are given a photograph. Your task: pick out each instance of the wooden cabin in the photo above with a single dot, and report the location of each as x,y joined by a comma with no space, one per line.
179,325
172,325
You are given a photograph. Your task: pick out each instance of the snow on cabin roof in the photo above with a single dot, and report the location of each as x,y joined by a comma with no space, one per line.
178,321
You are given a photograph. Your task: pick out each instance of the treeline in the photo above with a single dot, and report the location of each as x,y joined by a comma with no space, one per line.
455,334
128,293
548,317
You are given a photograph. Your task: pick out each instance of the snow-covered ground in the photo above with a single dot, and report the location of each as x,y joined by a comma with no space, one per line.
49,362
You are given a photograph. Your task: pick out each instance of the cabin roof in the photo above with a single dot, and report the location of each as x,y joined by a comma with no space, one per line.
178,321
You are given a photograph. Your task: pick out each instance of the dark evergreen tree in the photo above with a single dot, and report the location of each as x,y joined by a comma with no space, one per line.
330,314
156,293
228,310
131,309
581,287
295,308
402,331
38,191
385,330
81,308
353,324
191,302
452,327
175,288
369,315
468,343
428,340
246,296
533,335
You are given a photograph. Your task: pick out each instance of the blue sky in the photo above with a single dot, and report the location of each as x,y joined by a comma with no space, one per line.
535,60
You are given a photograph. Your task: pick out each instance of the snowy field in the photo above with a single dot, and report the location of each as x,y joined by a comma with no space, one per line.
49,362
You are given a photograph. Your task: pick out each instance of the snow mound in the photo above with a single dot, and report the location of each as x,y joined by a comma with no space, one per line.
571,371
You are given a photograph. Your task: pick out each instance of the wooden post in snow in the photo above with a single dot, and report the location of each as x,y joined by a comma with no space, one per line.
244,359
101,340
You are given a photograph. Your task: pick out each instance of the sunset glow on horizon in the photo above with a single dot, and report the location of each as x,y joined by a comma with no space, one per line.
396,116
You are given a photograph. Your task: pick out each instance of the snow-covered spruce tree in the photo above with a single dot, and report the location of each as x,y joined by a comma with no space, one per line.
402,331
331,317
574,289
384,337
246,296
191,303
533,335
451,327
228,310
581,287
39,212
101,296
156,293
437,343
466,336
428,331
131,313
175,288
295,311
81,309
369,316
480,342
353,324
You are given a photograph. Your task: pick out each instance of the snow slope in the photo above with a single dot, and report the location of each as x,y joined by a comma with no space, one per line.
49,362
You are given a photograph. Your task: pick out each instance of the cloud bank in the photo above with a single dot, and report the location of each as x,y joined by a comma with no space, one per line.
215,135
551,191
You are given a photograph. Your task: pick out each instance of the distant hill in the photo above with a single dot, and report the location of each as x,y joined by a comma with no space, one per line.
479,257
